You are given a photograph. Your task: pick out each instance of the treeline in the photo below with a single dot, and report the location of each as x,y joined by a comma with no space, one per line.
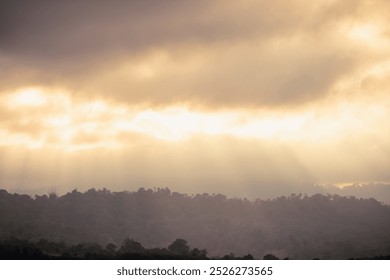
14,249
378,191
296,226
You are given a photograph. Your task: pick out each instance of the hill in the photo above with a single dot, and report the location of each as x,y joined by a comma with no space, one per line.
296,226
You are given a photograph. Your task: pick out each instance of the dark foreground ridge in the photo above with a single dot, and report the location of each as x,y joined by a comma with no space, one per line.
15,249
99,223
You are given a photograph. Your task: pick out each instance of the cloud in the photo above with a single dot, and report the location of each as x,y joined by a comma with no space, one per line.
55,138
212,54
206,95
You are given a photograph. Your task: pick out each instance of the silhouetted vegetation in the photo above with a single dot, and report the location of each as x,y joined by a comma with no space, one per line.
15,249
142,224
378,191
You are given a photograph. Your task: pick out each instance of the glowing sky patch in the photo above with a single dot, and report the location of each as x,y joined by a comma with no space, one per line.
62,119
248,95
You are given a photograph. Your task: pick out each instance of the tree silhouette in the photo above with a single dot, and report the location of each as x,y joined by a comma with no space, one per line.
179,247
270,257
132,247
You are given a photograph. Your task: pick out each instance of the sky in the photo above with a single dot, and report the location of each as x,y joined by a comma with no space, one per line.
239,97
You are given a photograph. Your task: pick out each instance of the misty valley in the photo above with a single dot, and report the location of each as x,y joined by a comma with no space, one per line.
163,224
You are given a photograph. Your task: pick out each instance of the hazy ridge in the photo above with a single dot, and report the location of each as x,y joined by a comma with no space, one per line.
295,226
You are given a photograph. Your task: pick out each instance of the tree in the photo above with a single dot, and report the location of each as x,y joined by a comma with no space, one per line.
270,257
131,246
179,247
201,254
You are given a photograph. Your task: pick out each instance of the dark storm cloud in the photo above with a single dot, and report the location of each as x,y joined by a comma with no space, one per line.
293,55
47,30
67,29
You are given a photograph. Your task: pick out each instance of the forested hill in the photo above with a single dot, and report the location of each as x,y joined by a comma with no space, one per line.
297,226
